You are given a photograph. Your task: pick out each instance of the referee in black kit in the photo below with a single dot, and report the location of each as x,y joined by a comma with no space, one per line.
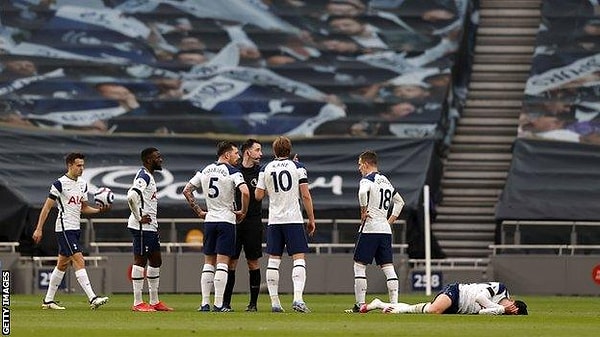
249,232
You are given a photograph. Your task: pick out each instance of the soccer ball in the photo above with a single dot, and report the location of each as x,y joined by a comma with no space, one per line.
104,196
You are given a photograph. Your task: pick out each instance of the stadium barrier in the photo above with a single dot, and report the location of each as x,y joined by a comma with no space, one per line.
548,269
329,268
174,229
9,258
443,271
32,275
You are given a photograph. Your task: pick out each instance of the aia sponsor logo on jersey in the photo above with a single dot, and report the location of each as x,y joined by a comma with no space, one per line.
75,200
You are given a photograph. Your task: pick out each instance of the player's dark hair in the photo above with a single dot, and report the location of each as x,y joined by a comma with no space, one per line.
521,307
369,157
282,147
249,143
147,152
70,158
225,146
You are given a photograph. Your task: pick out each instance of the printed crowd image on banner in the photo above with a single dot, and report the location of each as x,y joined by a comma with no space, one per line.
300,68
562,99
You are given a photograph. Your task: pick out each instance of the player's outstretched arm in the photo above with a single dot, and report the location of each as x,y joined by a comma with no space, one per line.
38,232
188,193
87,209
308,207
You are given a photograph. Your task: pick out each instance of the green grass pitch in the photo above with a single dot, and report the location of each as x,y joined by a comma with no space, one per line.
549,316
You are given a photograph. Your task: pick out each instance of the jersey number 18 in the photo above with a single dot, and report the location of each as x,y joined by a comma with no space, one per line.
385,197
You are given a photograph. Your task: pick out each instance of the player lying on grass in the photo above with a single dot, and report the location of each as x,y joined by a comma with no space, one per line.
489,298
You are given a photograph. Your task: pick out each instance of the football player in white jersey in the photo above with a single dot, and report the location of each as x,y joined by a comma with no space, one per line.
285,180
376,197
143,226
219,182
69,193
487,298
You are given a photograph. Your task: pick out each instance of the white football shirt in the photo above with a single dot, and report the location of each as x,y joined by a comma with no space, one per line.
378,195
219,182
476,296
68,194
281,179
145,186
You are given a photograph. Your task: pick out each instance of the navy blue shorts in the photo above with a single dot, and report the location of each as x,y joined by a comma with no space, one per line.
145,242
376,246
68,242
291,236
450,290
249,236
219,238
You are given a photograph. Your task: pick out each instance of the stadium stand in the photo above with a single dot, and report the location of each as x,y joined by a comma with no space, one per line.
555,159
109,77
344,68
479,155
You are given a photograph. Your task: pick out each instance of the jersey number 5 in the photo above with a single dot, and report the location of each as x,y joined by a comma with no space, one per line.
214,190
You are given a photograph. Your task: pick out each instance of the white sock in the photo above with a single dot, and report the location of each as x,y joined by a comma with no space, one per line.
55,281
392,283
272,276
299,279
360,282
84,282
153,276
137,281
207,282
220,282
419,308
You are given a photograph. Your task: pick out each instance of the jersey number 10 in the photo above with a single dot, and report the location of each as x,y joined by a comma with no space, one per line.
282,181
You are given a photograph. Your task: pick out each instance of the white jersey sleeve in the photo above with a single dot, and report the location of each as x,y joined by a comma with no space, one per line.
196,180
475,297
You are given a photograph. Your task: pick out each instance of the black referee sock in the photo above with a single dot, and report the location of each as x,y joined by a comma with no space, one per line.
254,285
229,288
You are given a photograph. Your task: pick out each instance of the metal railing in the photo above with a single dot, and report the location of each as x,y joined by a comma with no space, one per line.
178,247
451,263
518,226
559,249
39,261
337,225
10,247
